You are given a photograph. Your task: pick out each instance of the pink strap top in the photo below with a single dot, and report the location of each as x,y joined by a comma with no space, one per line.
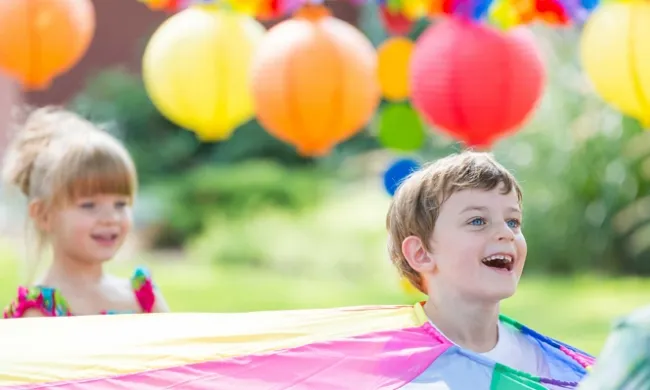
51,303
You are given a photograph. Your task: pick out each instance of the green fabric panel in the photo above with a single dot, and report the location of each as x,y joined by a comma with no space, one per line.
505,378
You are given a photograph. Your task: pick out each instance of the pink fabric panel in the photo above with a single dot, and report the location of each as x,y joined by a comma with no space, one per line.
382,360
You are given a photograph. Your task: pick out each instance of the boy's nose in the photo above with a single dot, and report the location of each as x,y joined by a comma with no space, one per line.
505,233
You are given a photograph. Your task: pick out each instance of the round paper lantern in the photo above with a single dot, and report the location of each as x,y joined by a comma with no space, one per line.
394,21
167,5
315,81
615,53
274,9
397,172
196,69
393,67
415,9
400,127
42,39
248,7
474,82
408,288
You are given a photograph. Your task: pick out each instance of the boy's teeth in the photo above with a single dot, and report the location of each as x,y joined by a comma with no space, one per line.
498,257
498,261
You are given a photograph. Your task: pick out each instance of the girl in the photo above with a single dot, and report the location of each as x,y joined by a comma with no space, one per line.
80,184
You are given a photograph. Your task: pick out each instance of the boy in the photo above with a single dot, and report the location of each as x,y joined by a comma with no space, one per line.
455,233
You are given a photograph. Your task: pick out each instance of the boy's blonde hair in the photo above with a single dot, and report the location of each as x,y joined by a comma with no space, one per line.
416,204
57,157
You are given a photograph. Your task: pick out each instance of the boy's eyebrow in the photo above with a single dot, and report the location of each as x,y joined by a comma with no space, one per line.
483,208
473,208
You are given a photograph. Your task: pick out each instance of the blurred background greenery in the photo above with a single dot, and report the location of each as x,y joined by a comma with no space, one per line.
246,224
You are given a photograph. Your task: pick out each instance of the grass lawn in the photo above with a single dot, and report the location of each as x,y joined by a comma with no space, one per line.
578,312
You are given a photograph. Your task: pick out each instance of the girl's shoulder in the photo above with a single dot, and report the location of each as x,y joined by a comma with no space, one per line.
48,301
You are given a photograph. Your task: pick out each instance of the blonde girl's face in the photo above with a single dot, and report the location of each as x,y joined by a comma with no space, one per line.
91,228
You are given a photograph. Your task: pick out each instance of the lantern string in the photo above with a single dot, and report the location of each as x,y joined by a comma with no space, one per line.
501,13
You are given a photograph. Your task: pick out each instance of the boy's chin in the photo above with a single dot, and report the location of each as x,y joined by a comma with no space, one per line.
495,294
501,293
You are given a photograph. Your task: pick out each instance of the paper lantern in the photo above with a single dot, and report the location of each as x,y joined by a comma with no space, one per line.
397,172
196,69
275,9
315,81
394,56
474,82
41,39
415,9
615,55
253,7
167,5
400,127
408,288
394,21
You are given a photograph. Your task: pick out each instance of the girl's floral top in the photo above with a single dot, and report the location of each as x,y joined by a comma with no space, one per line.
51,303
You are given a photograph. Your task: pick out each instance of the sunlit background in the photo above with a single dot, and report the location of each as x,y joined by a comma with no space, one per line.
249,224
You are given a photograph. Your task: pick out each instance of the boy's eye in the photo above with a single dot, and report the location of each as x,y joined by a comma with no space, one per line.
514,223
477,221
121,204
87,205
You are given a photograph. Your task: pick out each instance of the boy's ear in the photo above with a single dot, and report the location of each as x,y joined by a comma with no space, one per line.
39,214
417,256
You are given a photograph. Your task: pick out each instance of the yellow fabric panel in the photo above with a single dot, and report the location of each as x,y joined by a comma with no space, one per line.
36,350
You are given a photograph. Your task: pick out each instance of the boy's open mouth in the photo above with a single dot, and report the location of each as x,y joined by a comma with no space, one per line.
504,262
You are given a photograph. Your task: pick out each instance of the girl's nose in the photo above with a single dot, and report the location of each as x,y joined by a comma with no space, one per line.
108,215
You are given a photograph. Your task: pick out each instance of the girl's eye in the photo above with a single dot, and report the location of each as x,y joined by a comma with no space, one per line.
514,223
477,221
87,205
120,204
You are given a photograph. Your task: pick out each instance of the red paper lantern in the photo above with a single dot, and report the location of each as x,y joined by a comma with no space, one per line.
474,82
394,21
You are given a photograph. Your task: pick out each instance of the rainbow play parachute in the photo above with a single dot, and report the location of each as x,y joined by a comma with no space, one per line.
382,347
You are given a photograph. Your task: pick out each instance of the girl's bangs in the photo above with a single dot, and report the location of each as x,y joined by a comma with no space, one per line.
98,174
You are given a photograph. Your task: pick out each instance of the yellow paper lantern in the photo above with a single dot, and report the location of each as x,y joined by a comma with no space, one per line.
393,58
415,9
615,51
196,69
248,7
504,15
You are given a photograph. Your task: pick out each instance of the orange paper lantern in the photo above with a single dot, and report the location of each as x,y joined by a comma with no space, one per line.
315,81
43,38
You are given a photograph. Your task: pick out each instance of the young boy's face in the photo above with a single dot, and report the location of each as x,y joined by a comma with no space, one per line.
478,248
